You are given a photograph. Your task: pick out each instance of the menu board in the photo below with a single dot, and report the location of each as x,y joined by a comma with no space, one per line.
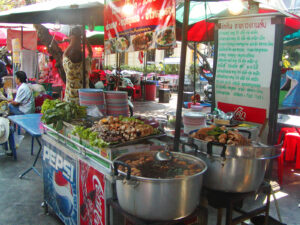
139,25
244,67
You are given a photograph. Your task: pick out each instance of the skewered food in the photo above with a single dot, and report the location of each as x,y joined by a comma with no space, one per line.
221,135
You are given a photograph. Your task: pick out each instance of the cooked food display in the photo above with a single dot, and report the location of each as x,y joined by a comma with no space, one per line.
122,43
114,130
110,46
165,37
221,135
145,165
142,41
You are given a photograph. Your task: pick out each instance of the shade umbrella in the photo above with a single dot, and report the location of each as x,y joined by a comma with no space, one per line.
57,11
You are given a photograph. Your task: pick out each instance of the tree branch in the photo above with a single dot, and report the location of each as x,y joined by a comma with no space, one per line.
53,48
206,65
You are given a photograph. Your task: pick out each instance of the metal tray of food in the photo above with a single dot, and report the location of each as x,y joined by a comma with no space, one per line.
137,141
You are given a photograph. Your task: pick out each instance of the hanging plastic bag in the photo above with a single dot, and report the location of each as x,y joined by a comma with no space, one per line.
18,139
94,111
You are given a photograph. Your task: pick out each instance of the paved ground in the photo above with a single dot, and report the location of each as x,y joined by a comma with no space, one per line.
20,199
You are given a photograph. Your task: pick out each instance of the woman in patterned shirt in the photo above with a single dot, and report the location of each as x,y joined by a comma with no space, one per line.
72,63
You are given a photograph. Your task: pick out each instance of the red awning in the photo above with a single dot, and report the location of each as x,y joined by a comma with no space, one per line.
204,31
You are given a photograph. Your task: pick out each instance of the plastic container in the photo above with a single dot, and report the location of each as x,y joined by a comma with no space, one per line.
91,97
193,121
117,103
150,90
196,108
164,95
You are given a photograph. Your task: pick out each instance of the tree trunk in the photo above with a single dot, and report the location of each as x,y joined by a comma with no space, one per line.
206,67
53,48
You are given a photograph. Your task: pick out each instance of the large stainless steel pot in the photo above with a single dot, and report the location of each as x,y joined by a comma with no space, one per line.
159,199
234,168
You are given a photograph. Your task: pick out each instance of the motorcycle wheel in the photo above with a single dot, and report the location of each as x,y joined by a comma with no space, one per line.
130,111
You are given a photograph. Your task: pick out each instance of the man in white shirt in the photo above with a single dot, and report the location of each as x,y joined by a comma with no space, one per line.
24,101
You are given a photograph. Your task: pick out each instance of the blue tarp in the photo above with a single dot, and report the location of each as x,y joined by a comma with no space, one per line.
292,98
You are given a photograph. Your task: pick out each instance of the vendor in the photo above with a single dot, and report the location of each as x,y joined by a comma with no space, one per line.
73,63
24,101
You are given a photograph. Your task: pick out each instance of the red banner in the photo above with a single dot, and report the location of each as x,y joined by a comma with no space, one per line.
29,39
91,195
139,25
244,113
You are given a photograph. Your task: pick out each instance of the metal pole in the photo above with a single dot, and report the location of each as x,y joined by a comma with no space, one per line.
22,37
83,57
195,61
145,75
181,74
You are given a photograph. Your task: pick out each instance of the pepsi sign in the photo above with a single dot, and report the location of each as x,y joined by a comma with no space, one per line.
59,163
59,172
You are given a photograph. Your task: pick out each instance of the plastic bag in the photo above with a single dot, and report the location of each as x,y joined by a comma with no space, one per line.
94,111
18,139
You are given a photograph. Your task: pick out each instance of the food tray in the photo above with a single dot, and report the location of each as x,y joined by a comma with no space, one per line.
136,141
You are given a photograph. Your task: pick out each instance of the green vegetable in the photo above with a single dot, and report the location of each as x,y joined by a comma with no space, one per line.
215,132
92,137
56,111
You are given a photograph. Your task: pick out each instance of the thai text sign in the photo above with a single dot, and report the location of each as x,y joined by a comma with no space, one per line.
244,65
139,25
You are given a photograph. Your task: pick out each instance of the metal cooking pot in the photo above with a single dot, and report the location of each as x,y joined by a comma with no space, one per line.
234,168
158,199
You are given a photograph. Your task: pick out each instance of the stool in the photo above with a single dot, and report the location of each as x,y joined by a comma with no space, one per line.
137,92
290,148
284,131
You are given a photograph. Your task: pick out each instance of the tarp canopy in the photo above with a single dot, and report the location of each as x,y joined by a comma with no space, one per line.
61,11
200,29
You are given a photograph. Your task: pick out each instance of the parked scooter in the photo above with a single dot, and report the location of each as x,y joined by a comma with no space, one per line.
208,93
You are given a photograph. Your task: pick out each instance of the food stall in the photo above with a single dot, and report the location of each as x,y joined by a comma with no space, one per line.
81,169
84,161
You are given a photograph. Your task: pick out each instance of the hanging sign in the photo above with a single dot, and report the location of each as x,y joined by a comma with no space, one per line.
91,195
139,25
30,39
244,67
16,47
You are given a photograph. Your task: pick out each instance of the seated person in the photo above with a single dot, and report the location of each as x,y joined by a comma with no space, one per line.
24,101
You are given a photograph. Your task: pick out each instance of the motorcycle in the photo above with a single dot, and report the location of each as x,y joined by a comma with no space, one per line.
208,93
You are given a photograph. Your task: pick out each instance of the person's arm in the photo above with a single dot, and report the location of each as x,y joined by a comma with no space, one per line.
20,97
14,103
3,70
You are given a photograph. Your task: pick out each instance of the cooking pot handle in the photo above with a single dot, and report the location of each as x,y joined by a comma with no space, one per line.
192,145
245,131
120,163
211,144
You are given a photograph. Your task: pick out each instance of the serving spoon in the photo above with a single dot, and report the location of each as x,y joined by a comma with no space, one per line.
164,156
